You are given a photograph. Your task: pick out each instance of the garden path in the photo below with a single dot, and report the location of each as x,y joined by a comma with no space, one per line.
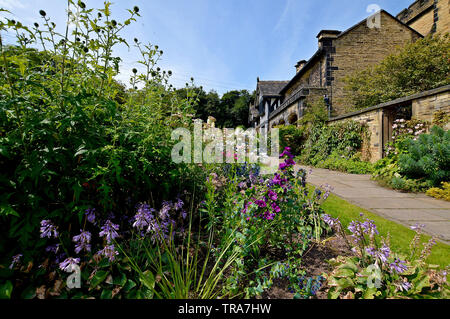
404,208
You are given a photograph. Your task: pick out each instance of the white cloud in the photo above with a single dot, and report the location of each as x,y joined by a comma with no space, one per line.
11,4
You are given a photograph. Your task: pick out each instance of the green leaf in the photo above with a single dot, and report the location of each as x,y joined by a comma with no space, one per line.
6,290
6,210
120,280
129,285
28,293
98,278
370,293
106,294
344,272
345,283
148,279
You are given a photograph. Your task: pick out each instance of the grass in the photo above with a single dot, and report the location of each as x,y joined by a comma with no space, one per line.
401,236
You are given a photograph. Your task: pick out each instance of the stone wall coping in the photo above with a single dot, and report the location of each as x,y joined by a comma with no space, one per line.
401,100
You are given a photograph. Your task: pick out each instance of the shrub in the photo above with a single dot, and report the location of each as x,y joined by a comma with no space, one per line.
352,165
273,214
293,137
342,139
440,193
428,157
72,138
419,66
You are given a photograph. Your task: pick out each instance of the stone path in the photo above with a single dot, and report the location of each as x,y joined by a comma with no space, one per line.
404,208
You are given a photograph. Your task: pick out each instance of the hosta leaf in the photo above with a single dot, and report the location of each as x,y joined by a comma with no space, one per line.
98,278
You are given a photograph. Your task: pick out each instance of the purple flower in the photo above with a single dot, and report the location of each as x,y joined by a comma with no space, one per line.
398,266
330,220
109,230
109,252
52,248
261,203
369,228
371,251
418,227
405,286
269,216
15,260
384,253
164,212
179,204
143,216
68,264
90,215
82,241
272,195
48,229
184,214
276,208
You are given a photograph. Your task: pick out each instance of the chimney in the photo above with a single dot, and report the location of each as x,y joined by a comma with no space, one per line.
300,64
326,37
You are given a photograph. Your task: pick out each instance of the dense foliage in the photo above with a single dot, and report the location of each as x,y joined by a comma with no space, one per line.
73,139
269,218
336,146
417,67
427,157
230,110
415,161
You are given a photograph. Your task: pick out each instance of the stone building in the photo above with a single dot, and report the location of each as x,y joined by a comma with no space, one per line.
427,16
339,55
267,100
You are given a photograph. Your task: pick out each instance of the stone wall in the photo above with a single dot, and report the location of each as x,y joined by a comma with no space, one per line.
427,16
363,47
424,23
443,14
424,108
371,150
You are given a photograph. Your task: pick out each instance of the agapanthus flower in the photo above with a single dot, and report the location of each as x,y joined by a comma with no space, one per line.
68,264
82,241
48,229
109,252
398,266
90,215
109,230
15,260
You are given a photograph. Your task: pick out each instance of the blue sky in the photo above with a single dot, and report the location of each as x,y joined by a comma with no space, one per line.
223,44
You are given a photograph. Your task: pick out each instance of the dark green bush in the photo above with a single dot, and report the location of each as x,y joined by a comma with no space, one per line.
293,137
344,138
428,157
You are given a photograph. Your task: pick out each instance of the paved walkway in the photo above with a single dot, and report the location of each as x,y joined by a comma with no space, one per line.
404,208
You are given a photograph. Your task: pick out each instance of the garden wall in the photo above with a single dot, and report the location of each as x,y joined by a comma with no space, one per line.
379,118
